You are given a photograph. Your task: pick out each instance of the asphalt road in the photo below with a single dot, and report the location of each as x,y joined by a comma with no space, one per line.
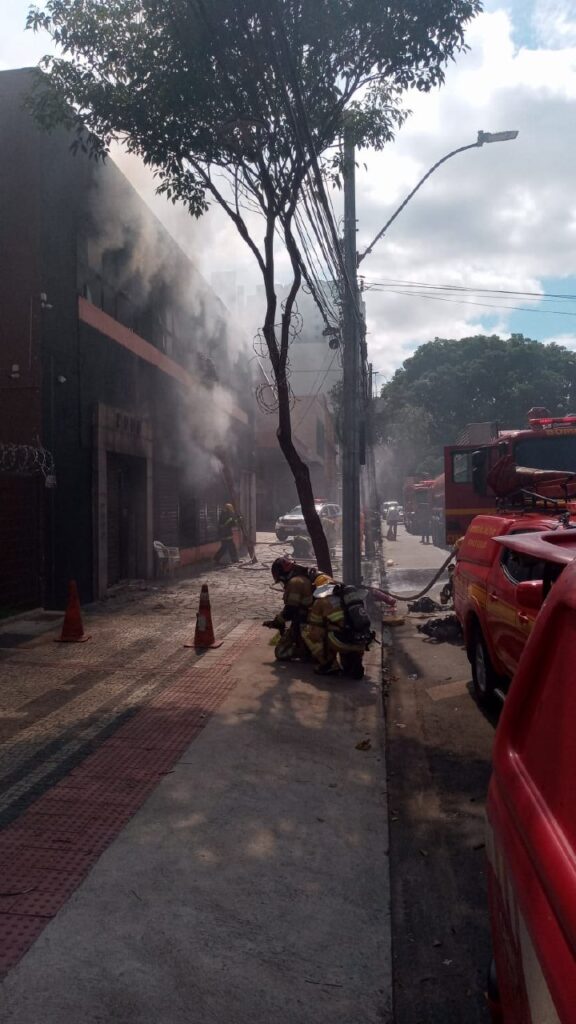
439,750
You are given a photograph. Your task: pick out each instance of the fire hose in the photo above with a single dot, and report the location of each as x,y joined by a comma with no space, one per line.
421,593
380,594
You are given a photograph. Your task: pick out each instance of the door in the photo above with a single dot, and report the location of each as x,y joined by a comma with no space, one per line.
509,625
126,537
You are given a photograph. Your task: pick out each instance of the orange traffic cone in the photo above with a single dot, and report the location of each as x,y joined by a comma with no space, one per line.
72,628
204,632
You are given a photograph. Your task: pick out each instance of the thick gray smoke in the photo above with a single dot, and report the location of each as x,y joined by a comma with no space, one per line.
163,297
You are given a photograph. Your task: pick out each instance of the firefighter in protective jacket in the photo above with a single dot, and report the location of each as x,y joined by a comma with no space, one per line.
338,628
299,584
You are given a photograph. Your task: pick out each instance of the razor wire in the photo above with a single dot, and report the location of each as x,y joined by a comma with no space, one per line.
27,460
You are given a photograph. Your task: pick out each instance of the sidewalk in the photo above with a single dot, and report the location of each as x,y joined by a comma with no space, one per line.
233,845
57,701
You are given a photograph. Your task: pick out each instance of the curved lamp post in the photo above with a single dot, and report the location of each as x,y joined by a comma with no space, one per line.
483,138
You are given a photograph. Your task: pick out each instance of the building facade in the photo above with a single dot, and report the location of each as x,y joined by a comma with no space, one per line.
117,360
314,438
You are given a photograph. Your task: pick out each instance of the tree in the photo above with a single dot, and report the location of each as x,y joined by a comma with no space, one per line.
447,384
240,102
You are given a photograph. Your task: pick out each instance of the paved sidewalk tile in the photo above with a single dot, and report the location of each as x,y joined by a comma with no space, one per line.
250,887
65,831
57,701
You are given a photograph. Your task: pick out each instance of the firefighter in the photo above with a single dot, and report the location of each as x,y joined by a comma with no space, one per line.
330,635
226,523
299,584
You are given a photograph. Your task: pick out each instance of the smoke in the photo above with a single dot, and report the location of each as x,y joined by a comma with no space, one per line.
387,472
131,262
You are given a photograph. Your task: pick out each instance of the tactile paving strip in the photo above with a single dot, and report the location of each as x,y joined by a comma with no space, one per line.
46,853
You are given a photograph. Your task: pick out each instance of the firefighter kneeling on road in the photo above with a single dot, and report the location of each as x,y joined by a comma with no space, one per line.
299,584
338,627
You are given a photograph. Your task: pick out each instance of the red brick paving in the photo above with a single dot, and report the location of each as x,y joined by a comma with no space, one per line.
47,852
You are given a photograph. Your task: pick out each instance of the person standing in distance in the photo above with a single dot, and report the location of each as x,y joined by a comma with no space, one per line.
226,523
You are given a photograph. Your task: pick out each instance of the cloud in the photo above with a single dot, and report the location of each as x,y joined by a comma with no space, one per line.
555,22
503,216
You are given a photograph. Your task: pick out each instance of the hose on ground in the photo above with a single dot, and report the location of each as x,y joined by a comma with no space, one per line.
421,593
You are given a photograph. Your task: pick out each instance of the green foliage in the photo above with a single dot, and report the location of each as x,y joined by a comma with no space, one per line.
447,384
193,85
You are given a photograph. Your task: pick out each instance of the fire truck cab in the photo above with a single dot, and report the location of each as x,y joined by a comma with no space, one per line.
531,811
549,443
499,590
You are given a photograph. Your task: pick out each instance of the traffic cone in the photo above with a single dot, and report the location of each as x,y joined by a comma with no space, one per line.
72,628
204,632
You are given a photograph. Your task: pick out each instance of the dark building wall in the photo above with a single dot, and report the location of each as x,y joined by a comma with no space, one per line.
21,498
68,522
77,228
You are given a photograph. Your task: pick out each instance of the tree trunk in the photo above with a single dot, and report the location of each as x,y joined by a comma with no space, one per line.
301,475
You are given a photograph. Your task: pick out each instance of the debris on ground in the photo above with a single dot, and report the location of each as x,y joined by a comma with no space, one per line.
364,745
302,547
424,604
443,630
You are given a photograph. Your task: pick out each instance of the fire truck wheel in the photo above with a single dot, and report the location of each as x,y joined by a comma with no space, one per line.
484,676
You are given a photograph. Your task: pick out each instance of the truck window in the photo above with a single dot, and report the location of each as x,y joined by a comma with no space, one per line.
520,568
461,467
556,452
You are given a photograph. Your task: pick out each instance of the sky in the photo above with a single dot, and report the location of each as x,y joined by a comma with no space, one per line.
495,219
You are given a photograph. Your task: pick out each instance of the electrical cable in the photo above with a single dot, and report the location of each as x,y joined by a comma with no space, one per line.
470,302
470,289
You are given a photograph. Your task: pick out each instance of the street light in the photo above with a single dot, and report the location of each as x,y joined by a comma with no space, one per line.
495,137
351,557
483,138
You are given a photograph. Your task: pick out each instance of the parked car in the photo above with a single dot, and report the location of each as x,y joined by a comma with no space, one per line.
292,524
531,811
386,505
498,592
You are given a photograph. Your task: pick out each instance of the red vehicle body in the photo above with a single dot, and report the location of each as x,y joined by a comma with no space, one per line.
531,811
417,494
549,444
498,593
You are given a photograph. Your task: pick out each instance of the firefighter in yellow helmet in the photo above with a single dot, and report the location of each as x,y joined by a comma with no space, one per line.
338,630
299,584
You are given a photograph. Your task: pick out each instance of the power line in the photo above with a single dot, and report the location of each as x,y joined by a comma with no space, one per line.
470,289
470,302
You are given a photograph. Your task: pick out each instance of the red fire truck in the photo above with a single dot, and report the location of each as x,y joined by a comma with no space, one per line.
417,495
548,443
425,497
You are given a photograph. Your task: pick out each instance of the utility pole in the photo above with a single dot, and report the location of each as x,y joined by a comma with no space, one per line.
351,555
